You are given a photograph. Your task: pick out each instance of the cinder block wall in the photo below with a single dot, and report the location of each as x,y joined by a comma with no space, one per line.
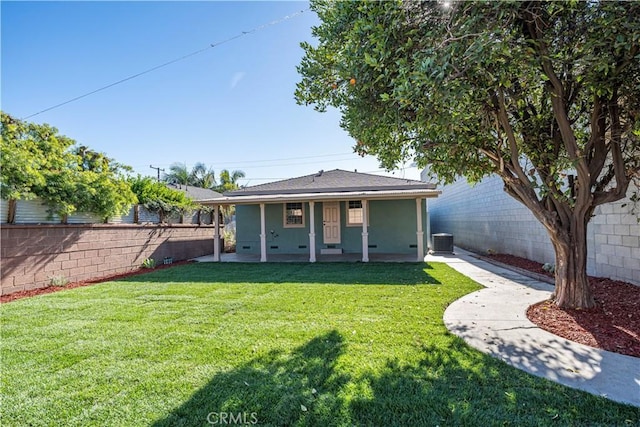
484,218
32,254
615,241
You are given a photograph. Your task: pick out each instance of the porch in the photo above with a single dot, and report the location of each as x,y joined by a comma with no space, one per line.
348,257
329,216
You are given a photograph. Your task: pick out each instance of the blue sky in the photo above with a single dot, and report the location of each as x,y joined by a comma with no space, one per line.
230,107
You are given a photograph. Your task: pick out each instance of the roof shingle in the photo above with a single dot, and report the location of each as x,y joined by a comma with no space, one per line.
336,180
196,193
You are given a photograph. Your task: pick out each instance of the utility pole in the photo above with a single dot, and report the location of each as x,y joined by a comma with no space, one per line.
158,169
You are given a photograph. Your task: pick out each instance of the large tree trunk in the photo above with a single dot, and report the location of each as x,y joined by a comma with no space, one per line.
572,284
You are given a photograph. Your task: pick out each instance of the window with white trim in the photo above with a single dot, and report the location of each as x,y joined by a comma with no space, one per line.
354,212
294,214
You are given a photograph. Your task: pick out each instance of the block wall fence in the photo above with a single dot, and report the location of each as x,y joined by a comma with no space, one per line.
33,254
35,212
484,218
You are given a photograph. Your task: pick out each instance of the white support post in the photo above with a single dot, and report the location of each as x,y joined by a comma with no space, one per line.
428,231
312,232
419,232
216,233
365,234
263,235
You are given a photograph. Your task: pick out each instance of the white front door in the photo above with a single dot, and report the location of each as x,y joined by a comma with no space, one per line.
331,222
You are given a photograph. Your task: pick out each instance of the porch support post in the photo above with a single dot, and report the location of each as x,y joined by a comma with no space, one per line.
365,234
419,233
426,202
312,232
263,235
216,234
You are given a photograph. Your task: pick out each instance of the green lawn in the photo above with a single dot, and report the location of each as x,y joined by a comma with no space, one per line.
276,344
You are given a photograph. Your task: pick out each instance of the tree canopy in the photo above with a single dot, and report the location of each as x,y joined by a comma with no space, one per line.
157,197
204,177
199,176
39,162
544,94
28,151
229,180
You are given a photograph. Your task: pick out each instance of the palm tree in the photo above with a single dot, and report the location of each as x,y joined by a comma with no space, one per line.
229,180
202,177
178,174
199,176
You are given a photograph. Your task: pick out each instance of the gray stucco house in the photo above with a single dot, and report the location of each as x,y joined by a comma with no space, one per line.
330,212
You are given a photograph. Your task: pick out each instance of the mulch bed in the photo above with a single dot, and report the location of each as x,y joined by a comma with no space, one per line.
33,292
613,325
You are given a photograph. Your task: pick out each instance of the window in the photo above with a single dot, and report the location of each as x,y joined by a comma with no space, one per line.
294,214
354,212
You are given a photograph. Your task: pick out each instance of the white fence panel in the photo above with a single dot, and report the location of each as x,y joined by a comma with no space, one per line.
123,219
34,212
146,216
83,218
4,210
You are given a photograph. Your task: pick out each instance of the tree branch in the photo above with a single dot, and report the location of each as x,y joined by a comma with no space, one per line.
503,118
558,104
596,149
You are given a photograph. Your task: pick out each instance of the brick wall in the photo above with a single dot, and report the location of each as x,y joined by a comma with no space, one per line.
484,218
32,254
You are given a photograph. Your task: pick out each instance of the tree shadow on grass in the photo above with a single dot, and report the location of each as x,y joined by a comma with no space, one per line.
333,273
277,388
459,386
450,384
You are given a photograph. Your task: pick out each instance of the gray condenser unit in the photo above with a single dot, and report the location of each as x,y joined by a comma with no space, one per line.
443,242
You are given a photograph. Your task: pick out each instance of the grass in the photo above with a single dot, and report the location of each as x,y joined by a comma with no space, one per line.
274,344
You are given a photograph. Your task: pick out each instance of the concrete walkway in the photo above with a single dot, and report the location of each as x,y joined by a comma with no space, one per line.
493,320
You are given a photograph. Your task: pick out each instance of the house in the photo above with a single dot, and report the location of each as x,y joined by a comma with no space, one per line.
330,212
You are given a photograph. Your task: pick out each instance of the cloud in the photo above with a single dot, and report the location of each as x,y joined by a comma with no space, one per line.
237,76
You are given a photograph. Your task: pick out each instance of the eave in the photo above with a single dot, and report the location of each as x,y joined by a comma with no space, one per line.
337,195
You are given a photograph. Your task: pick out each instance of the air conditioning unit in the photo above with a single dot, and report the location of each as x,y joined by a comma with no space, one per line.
443,242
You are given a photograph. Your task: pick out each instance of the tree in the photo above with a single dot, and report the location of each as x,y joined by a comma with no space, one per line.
202,177
199,176
229,180
178,174
544,94
22,159
30,153
84,180
157,197
101,186
38,162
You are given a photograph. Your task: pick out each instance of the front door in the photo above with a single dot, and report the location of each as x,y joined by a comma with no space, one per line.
331,222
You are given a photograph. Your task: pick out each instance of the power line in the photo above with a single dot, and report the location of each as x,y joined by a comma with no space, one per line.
199,51
265,162
231,166
293,158
402,170
349,159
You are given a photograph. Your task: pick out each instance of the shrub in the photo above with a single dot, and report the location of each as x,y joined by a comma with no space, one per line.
149,263
58,280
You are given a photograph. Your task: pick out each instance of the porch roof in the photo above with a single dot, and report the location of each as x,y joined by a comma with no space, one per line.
336,184
334,195
332,181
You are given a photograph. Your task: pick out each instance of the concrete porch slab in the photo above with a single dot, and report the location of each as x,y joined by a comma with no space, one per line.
234,257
